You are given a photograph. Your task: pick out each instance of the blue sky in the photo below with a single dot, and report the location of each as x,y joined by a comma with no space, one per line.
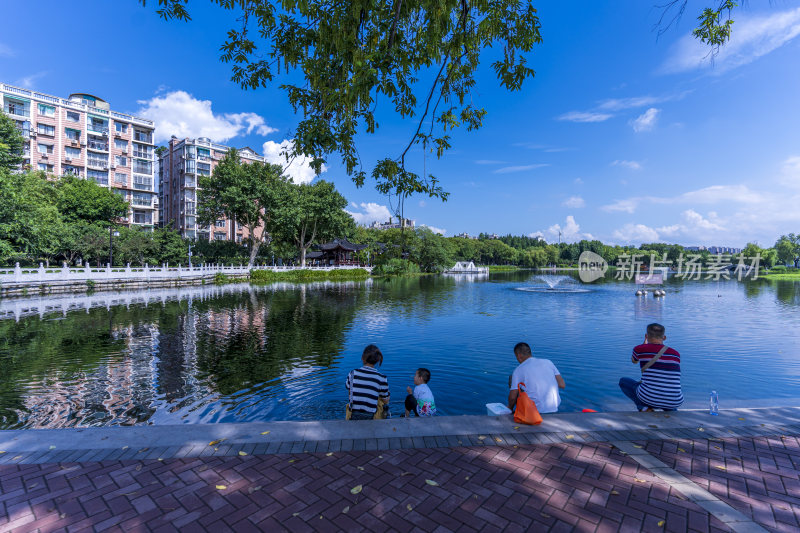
621,135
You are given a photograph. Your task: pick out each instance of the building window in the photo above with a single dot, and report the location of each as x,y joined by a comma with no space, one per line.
45,167
204,169
121,178
121,144
121,193
46,129
219,236
44,148
142,182
68,170
120,127
220,223
14,107
191,167
98,124
72,135
142,151
47,110
142,136
72,116
142,199
142,217
71,152
143,167
122,161
100,177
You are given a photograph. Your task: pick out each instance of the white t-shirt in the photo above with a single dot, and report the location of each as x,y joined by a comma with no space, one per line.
426,405
539,377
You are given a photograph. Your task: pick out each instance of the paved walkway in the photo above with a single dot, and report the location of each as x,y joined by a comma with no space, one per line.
507,478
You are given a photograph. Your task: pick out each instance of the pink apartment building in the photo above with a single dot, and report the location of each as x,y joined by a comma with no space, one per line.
179,167
80,135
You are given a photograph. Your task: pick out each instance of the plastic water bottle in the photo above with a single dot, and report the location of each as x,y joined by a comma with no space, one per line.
713,403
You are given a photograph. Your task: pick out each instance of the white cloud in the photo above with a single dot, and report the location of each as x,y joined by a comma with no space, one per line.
751,38
646,121
584,116
6,51
369,212
536,235
622,206
695,220
578,181
633,165
575,202
435,229
179,113
297,168
520,168
570,232
790,172
638,233
618,104
721,193
29,82
489,162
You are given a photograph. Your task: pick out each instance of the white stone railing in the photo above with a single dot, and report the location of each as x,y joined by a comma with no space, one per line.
42,274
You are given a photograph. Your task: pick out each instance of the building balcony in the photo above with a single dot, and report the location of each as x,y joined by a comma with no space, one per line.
97,146
102,165
17,110
138,136
97,130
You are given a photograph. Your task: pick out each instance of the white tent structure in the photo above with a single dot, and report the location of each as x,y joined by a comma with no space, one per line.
467,267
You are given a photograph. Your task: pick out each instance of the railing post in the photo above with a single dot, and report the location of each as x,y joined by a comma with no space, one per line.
17,272
65,270
41,272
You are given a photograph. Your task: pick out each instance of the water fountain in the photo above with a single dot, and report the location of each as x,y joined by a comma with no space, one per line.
555,284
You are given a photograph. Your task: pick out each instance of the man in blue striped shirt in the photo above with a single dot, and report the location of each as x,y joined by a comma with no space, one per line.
660,386
366,386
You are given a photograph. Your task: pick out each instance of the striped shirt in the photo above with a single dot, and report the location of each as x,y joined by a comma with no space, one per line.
661,383
365,386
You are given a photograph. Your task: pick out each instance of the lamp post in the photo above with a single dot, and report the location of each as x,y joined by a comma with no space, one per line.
190,256
110,245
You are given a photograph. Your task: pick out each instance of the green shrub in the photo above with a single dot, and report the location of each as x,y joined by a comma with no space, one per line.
221,278
348,274
397,267
778,268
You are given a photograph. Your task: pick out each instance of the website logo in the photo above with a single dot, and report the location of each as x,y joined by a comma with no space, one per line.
591,267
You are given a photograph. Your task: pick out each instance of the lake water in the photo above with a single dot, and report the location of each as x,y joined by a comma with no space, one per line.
282,352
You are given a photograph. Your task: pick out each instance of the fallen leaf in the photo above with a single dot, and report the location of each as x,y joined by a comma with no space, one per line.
467,478
637,480
138,467
16,458
700,429
242,453
681,450
328,454
215,442
636,446
295,514
545,515
515,446
652,426
516,427
160,458
292,460
409,507
666,416
615,493
32,486
251,490
481,437
346,509
380,457
3,451
741,418
717,447
143,450
125,447
498,439
460,442
52,447
661,523
62,515
568,437
221,487
215,449
360,467
265,432
431,482
356,489
406,474
720,467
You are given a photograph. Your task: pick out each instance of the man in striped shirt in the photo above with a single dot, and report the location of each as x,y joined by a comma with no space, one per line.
366,385
660,386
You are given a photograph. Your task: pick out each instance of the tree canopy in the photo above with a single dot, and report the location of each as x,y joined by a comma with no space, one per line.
11,142
246,193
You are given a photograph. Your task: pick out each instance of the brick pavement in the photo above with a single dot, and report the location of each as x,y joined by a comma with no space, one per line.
758,476
557,487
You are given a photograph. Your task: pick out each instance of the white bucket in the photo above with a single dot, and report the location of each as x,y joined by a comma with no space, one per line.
497,409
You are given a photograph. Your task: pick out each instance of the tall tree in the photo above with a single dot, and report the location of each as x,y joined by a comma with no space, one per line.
244,192
788,249
11,143
312,213
85,200
29,219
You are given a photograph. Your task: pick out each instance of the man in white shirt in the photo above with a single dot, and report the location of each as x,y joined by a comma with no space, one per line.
541,378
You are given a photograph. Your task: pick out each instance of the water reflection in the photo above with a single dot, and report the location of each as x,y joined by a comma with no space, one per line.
282,351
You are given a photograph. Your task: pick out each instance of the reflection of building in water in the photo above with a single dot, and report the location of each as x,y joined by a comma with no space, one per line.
648,307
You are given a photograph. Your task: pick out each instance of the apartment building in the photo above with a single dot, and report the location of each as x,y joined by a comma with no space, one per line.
179,168
82,136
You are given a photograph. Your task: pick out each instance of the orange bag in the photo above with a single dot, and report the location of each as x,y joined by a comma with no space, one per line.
526,412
